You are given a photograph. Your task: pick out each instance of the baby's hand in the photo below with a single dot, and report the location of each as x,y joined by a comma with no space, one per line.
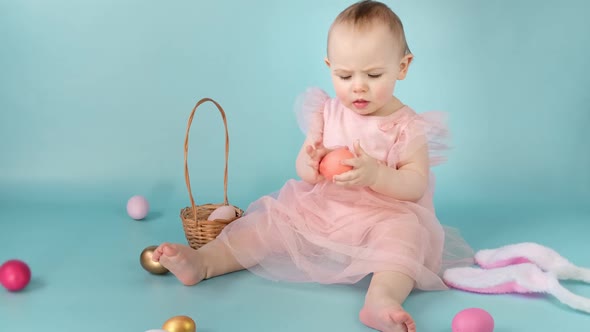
364,172
316,152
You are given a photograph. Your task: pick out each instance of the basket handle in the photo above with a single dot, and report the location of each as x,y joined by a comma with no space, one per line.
186,176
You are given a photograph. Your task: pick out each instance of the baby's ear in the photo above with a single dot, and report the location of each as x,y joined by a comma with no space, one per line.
404,65
327,61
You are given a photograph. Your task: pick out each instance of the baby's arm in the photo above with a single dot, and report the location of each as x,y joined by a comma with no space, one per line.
307,164
409,181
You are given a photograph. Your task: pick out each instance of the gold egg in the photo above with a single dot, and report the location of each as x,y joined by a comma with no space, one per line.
180,324
146,261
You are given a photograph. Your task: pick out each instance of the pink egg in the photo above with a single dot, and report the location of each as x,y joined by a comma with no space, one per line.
137,207
225,212
473,320
15,275
330,164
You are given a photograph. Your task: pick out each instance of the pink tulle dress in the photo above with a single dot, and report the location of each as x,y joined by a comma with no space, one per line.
326,233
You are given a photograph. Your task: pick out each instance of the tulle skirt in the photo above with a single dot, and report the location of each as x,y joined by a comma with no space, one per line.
328,234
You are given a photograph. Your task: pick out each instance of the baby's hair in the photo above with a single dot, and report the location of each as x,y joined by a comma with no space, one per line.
364,13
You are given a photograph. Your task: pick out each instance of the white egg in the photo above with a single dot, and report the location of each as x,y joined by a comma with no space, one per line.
225,212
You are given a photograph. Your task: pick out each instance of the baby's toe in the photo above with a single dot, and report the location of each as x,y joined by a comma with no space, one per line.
403,318
158,252
169,250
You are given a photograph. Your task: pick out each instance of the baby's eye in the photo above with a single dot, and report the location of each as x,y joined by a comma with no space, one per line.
345,77
375,75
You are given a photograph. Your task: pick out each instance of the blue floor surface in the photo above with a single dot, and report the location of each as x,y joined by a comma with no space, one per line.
87,277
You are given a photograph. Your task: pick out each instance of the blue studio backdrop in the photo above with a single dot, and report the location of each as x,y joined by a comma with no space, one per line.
95,95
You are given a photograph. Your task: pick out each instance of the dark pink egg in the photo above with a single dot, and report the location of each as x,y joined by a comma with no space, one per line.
473,320
15,275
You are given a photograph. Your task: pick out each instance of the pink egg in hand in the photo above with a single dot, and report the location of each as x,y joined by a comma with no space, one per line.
473,320
15,275
137,207
224,212
330,165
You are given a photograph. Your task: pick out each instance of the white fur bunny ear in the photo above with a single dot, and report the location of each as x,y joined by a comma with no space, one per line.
520,278
529,252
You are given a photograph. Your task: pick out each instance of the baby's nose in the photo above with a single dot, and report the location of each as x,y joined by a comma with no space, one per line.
359,87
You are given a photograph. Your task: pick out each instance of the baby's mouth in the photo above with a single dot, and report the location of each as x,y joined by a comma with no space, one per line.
360,103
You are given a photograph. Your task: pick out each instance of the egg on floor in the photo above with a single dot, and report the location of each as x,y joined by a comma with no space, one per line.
180,324
15,275
145,259
473,320
138,207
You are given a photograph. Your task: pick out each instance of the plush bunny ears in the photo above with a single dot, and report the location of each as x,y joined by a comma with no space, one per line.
545,258
521,268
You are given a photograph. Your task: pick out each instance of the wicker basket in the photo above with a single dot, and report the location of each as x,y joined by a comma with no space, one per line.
197,229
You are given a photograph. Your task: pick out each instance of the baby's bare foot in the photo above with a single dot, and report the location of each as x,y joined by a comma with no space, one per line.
182,261
386,315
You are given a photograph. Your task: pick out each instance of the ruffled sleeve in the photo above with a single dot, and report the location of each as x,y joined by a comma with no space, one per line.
429,128
309,108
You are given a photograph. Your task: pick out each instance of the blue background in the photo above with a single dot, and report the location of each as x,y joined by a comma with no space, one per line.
94,102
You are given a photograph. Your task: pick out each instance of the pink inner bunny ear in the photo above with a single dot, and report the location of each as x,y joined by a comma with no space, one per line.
545,258
522,278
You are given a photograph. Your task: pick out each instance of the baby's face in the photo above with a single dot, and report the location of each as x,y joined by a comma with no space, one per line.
365,65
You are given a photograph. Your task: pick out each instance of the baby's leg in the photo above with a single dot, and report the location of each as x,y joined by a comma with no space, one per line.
191,266
383,303
215,258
